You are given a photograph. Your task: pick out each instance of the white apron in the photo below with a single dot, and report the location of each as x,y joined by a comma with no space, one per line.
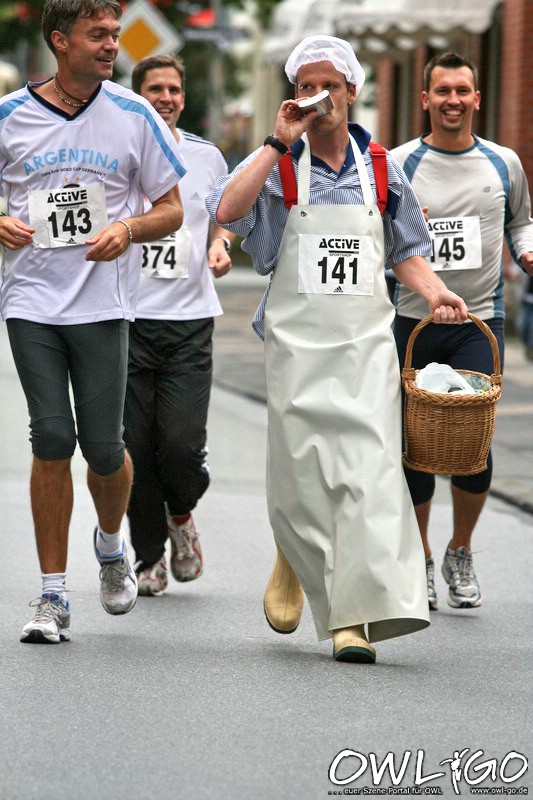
337,498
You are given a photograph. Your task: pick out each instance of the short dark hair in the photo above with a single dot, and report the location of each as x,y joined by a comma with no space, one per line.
61,15
449,61
156,62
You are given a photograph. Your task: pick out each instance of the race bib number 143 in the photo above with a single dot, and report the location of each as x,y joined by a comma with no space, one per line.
67,216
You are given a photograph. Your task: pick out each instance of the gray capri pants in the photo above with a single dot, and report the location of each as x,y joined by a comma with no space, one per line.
95,358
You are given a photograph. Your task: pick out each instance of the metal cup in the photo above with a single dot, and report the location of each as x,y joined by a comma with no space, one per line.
321,103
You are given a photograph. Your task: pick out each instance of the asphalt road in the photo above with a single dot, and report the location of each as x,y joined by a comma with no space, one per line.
191,695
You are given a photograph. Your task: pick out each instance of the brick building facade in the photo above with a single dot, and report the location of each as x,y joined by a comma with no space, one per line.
505,60
515,120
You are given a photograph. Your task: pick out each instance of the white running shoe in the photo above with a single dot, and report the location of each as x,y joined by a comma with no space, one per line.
186,559
50,623
152,581
430,577
458,572
118,583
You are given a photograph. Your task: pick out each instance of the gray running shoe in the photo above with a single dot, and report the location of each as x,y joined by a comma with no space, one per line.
50,623
152,581
458,572
186,559
118,583
430,576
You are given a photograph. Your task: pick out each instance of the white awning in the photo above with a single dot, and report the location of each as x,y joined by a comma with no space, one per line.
399,25
292,21
376,27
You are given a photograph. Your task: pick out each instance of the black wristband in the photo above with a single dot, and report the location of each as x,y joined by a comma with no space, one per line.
277,145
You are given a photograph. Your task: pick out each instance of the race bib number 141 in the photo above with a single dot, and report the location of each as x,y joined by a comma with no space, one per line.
340,264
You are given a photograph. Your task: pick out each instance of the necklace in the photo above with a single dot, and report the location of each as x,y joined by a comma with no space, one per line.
58,87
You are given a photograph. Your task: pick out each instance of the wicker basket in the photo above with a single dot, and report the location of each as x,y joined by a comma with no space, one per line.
449,434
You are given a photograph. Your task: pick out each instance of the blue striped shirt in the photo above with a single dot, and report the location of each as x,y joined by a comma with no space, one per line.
405,230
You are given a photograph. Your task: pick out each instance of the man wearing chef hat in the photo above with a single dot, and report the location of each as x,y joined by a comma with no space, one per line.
313,216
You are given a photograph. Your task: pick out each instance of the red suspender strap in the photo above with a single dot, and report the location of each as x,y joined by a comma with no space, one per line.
379,162
288,180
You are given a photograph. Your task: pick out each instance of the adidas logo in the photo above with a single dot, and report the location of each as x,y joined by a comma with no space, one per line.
71,241
338,289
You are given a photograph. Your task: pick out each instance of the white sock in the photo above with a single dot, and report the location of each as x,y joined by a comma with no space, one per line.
110,545
54,583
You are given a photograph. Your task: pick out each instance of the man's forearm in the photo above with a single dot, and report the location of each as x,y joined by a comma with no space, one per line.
444,305
417,275
165,216
242,190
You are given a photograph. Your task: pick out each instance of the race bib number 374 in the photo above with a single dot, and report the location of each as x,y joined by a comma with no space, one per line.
340,264
169,257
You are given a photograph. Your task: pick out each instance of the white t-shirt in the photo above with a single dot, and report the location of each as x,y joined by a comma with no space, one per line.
193,297
102,161
474,197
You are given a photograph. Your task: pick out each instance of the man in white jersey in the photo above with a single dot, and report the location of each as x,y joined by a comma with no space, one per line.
170,355
473,192
78,154
338,503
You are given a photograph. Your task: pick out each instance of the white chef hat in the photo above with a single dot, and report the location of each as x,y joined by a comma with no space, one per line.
326,48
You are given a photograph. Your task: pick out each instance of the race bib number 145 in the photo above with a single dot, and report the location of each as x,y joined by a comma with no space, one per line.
455,243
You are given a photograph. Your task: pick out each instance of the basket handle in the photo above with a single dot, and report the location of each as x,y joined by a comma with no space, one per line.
409,373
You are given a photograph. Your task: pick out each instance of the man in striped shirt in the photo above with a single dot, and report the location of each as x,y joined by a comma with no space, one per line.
338,503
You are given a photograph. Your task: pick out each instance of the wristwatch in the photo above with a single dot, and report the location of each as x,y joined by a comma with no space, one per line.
277,145
227,243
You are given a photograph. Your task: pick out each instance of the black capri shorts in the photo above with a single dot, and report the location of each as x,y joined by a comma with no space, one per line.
94,357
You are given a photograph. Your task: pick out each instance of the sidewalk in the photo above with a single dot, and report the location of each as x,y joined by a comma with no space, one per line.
239,368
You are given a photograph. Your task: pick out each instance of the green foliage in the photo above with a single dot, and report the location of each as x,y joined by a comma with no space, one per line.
264,10
20,22
197,58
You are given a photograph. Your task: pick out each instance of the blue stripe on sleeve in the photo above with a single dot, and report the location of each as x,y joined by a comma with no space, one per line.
502,170
137,108
7,108
413,160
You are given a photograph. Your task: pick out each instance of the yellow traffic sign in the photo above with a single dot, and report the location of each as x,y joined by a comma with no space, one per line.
144,31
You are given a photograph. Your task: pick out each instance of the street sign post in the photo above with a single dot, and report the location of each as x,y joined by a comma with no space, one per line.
144,31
